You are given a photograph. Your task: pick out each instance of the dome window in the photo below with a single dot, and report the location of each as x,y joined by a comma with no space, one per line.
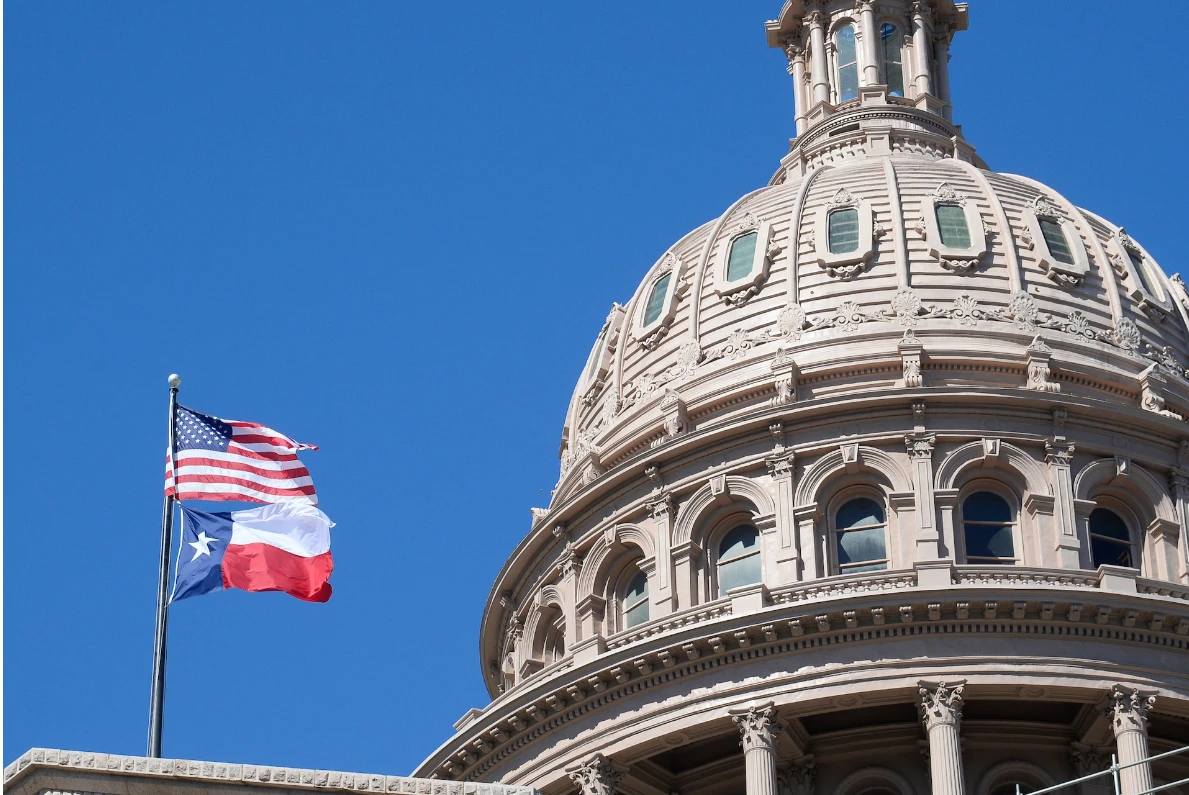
893,66
951,226
743,253
844,231
1130,261
844,235
635,601
739,558
659,304
600,357
1056,243
1110,539
744,261
848,63
860,536
988,529
656,299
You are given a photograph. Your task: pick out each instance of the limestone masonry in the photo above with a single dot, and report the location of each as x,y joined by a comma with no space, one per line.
877,485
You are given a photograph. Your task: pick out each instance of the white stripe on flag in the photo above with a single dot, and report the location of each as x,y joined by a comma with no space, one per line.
300,529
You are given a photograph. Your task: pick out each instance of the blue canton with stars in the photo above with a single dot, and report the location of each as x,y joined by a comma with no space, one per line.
205,537
197,431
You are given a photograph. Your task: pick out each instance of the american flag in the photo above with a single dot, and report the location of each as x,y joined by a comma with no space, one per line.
232,460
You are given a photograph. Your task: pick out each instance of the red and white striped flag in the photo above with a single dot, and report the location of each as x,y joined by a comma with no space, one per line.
240,461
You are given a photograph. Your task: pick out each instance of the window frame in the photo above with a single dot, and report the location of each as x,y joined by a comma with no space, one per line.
849,265
1013,504
1065,274
839,26
647,335
883,60
742,289
630,572
960,259
1122,246
840,501
1130,519
598,362
726,527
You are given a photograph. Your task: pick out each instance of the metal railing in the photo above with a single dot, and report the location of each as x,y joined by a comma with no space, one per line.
1113,772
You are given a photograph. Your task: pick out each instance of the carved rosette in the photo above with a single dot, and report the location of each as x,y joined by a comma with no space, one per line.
1128,708
758,727
941,704
596,776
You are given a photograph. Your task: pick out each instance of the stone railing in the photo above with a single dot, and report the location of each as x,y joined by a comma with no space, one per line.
60,764
844,585
675,621
1017,575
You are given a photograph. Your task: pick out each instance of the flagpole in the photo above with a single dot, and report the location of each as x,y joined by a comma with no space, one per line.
157,706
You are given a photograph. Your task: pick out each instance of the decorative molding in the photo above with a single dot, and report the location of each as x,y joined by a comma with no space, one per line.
758,726
941,704
1127,709
596,776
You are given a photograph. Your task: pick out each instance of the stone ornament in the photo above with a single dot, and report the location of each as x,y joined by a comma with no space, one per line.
758,727
1128,708
596,776
941,704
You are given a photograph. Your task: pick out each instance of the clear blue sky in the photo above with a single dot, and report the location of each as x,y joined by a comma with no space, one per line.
394,229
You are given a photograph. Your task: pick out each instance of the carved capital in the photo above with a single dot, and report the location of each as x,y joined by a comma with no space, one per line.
1178,479
596,776
662,508
1088,759
1058,452
780,466
941,703
920,445
1127,709
758,727
797,777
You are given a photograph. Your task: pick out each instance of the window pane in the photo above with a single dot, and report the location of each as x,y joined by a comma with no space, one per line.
844,231
1107,523
1104,551
1055,238
848,67
656,299
635,615
637,590
743,252
985,506
742,571
1137,264
893,72
860,512
951,222
740,541
860,546
989,541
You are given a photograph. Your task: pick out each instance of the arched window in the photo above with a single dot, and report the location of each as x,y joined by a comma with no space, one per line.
739,558
893,65
988,528
656,299
848,63
860,536
1110,539
951,224
843,227
743,253
635,601
1056,241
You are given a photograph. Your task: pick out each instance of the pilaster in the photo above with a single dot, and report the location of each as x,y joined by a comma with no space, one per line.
788,556
663,513
1066,546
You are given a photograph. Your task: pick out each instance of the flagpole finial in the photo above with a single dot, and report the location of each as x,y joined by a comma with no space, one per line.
175,380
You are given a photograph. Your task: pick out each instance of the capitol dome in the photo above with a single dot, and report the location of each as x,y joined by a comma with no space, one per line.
882,474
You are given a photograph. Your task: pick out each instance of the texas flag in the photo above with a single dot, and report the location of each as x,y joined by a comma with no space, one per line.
282,547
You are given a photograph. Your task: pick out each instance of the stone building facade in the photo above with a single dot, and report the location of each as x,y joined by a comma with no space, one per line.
879,482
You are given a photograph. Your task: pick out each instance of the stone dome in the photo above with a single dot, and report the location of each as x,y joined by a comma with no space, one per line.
892,434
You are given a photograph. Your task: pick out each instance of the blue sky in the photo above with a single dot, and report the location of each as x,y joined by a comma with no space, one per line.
394,229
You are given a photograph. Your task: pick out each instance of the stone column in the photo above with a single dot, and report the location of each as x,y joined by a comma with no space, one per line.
941,53
920,450
817,43
1067,549
941,712
758,729
788,558
870,42
1127,711
798,777
596,776
796,56
663,513
921,48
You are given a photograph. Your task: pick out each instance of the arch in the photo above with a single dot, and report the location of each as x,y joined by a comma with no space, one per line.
1012,771
868,777
1155,502
870,458
732,488
993,454
599,558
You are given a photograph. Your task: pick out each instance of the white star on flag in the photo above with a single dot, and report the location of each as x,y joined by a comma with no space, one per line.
202,545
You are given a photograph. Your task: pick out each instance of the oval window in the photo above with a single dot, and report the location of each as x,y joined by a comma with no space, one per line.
743,254
951,223
844,231
656,299
1055,239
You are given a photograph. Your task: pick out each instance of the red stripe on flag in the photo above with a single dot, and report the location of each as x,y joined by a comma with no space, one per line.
298,471
222,480
261,567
